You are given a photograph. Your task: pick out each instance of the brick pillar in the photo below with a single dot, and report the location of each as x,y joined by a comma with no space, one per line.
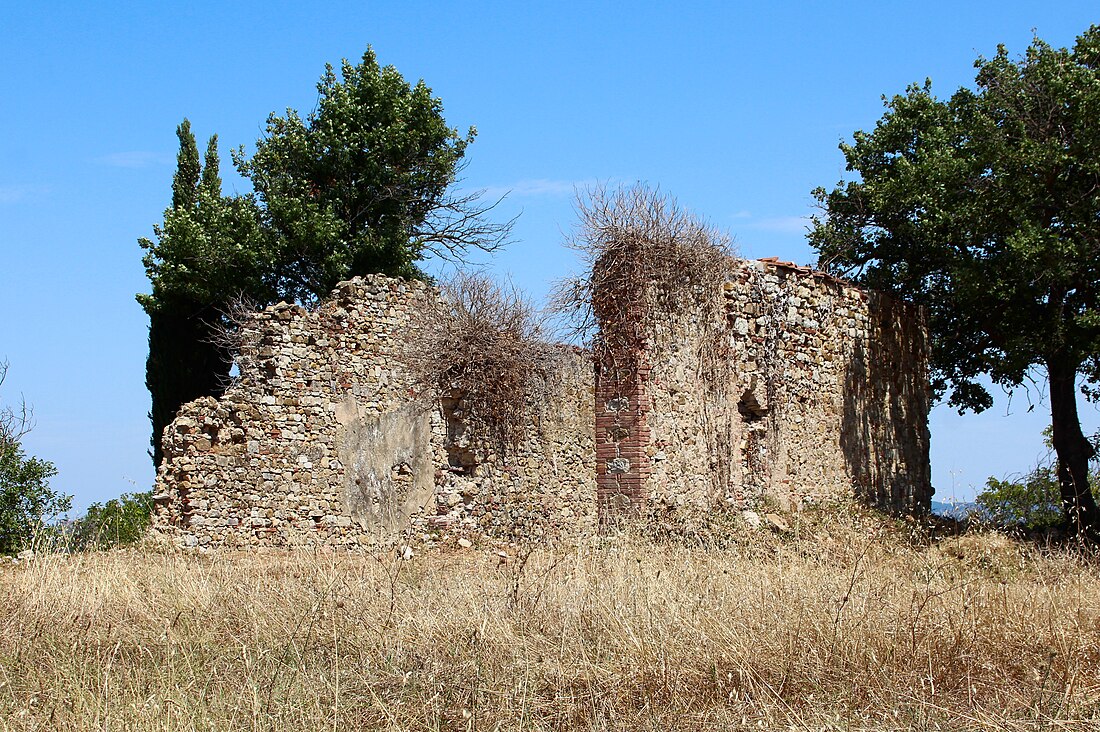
622,439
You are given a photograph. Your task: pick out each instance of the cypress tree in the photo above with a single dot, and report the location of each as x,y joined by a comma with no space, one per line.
210,186
185,183
184,362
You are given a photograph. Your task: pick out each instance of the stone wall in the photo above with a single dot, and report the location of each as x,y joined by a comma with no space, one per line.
319,441
794,387
544,487
781,384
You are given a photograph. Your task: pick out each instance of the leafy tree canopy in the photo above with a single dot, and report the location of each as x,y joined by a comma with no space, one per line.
363,183
985,208
26,500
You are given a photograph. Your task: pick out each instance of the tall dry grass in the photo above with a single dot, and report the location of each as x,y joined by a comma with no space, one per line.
845,625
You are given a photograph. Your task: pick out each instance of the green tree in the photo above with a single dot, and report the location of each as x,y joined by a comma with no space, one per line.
185,183
117,522
1032,502
27,502
985,209
364,183
209,251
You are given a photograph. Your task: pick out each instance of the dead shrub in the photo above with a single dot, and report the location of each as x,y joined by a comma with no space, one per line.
481,347
227,333
646,259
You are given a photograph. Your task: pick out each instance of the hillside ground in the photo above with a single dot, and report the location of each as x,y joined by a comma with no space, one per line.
846,621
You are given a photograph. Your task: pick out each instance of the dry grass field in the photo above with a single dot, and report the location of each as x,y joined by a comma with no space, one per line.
844,623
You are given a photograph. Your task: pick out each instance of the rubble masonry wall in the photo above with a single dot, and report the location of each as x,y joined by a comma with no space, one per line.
786,385
319,441
798,388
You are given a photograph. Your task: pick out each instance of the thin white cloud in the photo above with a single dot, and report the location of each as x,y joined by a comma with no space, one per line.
742,215
780,224
539,188
15,194
134,159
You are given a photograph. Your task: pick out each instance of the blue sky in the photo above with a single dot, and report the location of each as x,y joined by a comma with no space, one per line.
734,108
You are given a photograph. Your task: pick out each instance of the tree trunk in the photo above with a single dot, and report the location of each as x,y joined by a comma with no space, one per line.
1073,450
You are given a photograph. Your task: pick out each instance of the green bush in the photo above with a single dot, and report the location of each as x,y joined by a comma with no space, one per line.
27,504
1032,503
117,522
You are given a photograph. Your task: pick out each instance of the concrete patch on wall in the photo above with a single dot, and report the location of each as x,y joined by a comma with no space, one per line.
388,470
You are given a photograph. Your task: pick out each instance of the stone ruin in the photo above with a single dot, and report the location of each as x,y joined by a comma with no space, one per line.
813,390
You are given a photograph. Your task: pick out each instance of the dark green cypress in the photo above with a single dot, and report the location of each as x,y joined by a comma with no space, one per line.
185,183
211,183
183,363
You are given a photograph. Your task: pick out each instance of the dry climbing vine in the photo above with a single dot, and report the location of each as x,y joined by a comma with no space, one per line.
481,346
647,261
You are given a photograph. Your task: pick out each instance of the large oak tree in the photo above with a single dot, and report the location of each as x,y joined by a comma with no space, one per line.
365,182
985,209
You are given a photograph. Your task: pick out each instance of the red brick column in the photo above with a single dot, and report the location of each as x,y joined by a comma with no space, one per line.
622,436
